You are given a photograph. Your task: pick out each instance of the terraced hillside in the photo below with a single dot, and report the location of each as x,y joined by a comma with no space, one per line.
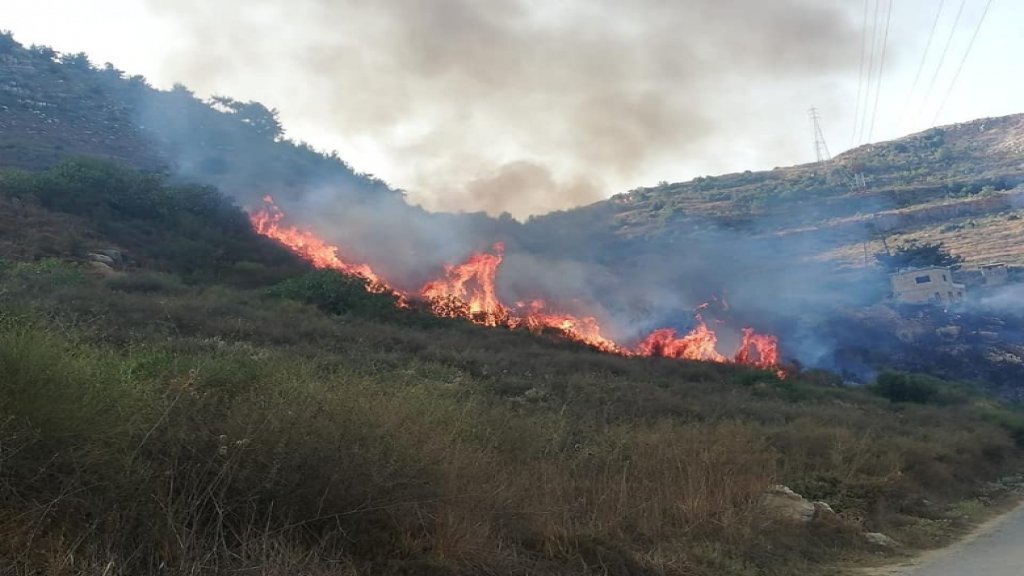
958,184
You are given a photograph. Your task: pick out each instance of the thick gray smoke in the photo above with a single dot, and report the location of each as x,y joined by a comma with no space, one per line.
525,106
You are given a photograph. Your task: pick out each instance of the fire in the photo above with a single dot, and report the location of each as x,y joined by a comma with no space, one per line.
760,350
468,290
699,344
307,245
533,317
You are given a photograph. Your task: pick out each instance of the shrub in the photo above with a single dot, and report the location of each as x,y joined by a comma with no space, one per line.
917,389
145,283
45,274
337,293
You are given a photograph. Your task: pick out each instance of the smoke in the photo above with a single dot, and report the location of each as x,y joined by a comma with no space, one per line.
1004,300
520,105
528,107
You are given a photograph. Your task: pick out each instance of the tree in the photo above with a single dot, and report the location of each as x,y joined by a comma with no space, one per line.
262,119
79,61
916,255
7,42
43,52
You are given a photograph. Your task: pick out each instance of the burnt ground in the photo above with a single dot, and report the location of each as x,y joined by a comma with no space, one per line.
970,344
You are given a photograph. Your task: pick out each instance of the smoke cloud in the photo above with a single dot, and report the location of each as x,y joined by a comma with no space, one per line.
520,105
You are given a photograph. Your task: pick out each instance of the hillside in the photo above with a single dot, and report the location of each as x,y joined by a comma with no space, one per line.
182,395
785,249
958,184
59,105
953,184
204,403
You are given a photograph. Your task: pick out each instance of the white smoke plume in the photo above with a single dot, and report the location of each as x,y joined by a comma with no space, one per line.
521,105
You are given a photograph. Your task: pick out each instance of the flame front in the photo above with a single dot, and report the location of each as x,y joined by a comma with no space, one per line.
307,245
535,318
699,344
468,290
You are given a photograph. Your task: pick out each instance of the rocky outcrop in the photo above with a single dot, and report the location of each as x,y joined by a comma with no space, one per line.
105,259
101,259
879,539
101,269
782,504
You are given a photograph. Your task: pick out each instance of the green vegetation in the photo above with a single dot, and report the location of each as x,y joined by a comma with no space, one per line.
166,417
192,231
917,255
336,293
58,105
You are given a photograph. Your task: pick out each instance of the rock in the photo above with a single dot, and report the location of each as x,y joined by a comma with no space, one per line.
879,539
822,511
112,253
783,504
101,269
101,258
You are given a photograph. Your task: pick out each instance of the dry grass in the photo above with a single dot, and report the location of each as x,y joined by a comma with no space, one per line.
210,431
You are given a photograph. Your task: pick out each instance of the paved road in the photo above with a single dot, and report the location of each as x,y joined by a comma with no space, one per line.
996,550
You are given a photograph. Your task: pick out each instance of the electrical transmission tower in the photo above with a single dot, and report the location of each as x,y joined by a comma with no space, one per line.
820,147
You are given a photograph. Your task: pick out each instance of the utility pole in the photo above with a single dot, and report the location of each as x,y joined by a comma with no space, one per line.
820,147
859,181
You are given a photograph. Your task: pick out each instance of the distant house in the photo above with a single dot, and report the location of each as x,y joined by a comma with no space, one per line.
995,274
926,286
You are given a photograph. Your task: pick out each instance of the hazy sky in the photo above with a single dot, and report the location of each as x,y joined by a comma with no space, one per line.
534,105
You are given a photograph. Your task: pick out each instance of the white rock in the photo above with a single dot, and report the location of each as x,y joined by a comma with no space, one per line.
879,539
783,504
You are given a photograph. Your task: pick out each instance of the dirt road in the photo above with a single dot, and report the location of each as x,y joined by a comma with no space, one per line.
995,549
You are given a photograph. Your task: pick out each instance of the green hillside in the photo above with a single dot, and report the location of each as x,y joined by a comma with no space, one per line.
53,106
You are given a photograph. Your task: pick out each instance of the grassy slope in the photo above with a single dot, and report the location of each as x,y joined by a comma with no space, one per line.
147,422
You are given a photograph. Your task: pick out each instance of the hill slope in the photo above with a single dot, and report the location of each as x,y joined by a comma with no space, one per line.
170,414
777,246
958,184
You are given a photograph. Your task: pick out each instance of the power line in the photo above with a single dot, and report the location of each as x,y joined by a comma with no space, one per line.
820,147
942,58
871,70
963,60
924,59
860,81
881,67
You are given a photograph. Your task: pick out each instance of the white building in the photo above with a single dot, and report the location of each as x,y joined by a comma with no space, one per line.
926,286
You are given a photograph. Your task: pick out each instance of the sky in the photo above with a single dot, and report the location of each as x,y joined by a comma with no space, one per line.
529,106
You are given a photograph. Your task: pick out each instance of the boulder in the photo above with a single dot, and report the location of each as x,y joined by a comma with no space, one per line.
101,258
822,511
781,503
101,269
112,253
879,539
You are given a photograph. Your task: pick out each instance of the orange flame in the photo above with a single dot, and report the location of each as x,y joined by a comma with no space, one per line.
468,290
307,245
699,344
586,329
760,350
